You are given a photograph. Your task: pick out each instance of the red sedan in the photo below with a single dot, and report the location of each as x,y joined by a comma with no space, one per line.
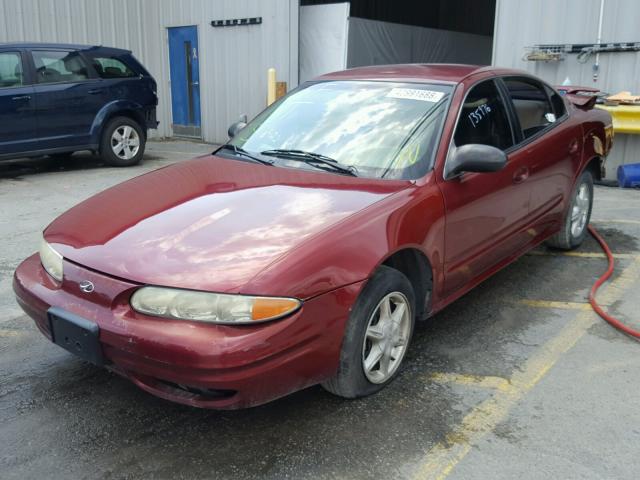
303,251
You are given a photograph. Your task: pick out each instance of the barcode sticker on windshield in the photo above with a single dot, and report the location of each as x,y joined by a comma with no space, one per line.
415,94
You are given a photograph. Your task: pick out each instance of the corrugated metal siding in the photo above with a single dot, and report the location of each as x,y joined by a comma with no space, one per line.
521,23
233,60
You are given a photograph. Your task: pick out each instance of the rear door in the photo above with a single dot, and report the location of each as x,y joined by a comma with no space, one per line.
17,113
549,143
485,212
120,78
68,97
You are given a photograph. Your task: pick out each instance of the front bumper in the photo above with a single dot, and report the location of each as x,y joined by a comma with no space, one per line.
198,364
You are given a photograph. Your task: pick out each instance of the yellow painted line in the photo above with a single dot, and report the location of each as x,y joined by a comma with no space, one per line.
481,381
554,304
440,460
542,253
615,220
6,333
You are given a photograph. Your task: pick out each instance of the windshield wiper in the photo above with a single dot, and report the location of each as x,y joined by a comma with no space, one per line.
243,153
314,159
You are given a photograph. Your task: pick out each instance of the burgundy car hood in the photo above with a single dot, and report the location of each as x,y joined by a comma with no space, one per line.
208,223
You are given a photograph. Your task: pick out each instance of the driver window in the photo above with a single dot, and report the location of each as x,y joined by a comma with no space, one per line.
483,118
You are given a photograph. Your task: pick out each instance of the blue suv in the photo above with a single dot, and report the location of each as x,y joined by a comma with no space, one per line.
57,99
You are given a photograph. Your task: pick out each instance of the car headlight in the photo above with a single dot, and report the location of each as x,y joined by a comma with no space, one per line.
51,260
210,307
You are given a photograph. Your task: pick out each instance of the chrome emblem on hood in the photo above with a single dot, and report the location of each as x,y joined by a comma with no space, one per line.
86,286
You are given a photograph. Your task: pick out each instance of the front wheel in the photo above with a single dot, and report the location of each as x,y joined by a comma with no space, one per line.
376,337
574,229
123,142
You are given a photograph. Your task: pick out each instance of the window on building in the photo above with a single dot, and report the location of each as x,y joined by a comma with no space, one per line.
483,118
58,67
11,70
532,105
108,67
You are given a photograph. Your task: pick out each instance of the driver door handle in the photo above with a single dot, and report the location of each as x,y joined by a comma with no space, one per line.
521,175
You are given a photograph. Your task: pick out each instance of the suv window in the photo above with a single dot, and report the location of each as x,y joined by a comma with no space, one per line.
532,105
58,67
11,70
483,118
109,67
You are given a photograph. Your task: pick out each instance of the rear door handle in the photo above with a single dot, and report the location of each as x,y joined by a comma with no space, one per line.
21,97
95,91
521,175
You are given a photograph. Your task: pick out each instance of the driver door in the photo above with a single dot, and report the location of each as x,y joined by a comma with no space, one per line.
485,212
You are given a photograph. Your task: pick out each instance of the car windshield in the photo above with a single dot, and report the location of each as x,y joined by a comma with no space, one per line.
380,129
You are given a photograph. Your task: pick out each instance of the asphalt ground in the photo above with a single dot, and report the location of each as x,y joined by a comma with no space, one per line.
517,379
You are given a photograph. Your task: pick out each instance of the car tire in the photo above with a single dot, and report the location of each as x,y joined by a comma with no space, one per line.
574,229
368,335
123,142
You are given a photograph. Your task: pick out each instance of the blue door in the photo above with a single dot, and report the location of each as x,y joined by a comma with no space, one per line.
185,81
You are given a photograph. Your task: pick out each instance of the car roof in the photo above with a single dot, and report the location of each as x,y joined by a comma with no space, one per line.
29,45
451,73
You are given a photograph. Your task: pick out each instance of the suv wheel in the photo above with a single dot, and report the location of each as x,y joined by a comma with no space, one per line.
123,142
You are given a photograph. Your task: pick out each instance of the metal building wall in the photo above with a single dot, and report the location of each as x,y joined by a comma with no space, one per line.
233,60
521,23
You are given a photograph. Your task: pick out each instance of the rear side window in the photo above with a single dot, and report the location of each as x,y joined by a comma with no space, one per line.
483,118
11,70
58,67
532,105
109,67
556,101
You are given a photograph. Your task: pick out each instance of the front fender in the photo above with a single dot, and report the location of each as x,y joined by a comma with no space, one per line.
350,251
113,109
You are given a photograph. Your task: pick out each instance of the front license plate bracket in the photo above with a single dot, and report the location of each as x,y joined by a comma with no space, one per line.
76,334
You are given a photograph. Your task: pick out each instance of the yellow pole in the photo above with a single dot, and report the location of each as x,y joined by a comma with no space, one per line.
271,86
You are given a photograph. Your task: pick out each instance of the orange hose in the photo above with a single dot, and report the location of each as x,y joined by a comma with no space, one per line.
594,289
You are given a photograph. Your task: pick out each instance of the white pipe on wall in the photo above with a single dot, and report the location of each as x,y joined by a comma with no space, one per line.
596,66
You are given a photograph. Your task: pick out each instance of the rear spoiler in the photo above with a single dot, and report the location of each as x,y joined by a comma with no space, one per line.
582,97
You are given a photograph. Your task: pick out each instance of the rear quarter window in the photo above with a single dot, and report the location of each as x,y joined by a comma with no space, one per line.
110,67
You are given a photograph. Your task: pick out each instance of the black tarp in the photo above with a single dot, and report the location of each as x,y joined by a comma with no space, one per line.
468,16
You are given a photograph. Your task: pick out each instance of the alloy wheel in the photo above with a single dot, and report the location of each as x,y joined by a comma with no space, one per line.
580,210
125,142
386,337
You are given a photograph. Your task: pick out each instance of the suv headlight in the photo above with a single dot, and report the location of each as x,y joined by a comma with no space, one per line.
51,260
210,307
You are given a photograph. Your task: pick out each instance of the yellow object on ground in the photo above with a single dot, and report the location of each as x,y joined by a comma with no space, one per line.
271,86
626,118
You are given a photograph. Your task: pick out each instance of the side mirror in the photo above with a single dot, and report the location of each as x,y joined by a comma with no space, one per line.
475,158
235,128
